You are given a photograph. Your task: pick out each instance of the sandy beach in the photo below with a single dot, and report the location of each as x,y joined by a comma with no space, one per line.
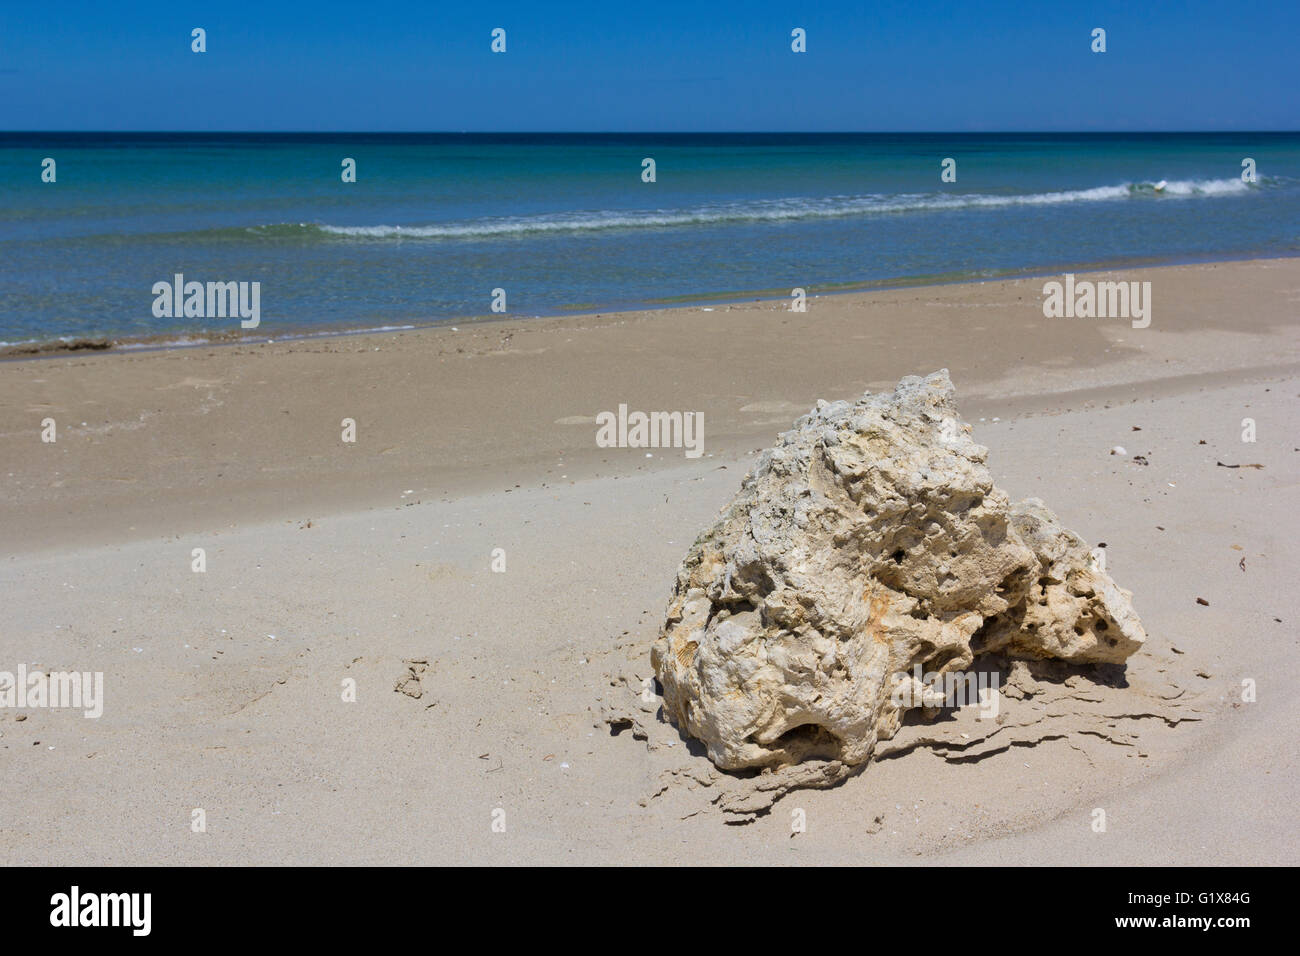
480,692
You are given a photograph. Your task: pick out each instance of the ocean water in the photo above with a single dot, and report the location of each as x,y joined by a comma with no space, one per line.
434,223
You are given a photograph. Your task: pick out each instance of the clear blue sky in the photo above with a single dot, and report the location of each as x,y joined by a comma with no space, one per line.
655,65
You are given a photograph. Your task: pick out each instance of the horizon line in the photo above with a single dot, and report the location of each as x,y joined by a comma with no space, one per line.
575,132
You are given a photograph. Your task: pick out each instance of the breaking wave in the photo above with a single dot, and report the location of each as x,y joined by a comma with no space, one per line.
767,210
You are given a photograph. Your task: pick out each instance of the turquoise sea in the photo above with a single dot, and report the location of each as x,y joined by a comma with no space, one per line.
564,222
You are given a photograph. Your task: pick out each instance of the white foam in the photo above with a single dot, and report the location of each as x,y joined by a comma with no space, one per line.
1205,187
775,210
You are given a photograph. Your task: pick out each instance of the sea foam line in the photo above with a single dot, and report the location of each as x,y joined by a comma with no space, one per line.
775,210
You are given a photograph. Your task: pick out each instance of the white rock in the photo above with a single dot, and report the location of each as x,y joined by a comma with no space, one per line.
820,585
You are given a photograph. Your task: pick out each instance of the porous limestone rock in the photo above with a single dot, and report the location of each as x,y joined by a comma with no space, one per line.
869,540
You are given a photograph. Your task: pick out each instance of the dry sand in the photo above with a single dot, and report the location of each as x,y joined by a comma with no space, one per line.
328,561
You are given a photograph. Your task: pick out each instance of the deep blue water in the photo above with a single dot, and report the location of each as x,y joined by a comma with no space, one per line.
564,222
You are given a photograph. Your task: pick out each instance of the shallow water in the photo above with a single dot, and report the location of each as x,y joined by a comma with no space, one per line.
435,223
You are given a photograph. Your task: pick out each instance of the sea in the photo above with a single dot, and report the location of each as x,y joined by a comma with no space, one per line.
459,227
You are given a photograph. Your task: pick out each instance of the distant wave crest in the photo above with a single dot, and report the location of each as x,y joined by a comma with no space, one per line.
760,210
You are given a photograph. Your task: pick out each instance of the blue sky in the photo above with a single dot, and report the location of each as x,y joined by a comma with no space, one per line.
620,65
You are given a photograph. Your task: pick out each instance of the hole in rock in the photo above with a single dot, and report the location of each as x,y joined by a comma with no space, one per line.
807,740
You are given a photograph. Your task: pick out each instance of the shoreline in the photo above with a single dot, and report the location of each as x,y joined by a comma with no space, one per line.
181,440
194,339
